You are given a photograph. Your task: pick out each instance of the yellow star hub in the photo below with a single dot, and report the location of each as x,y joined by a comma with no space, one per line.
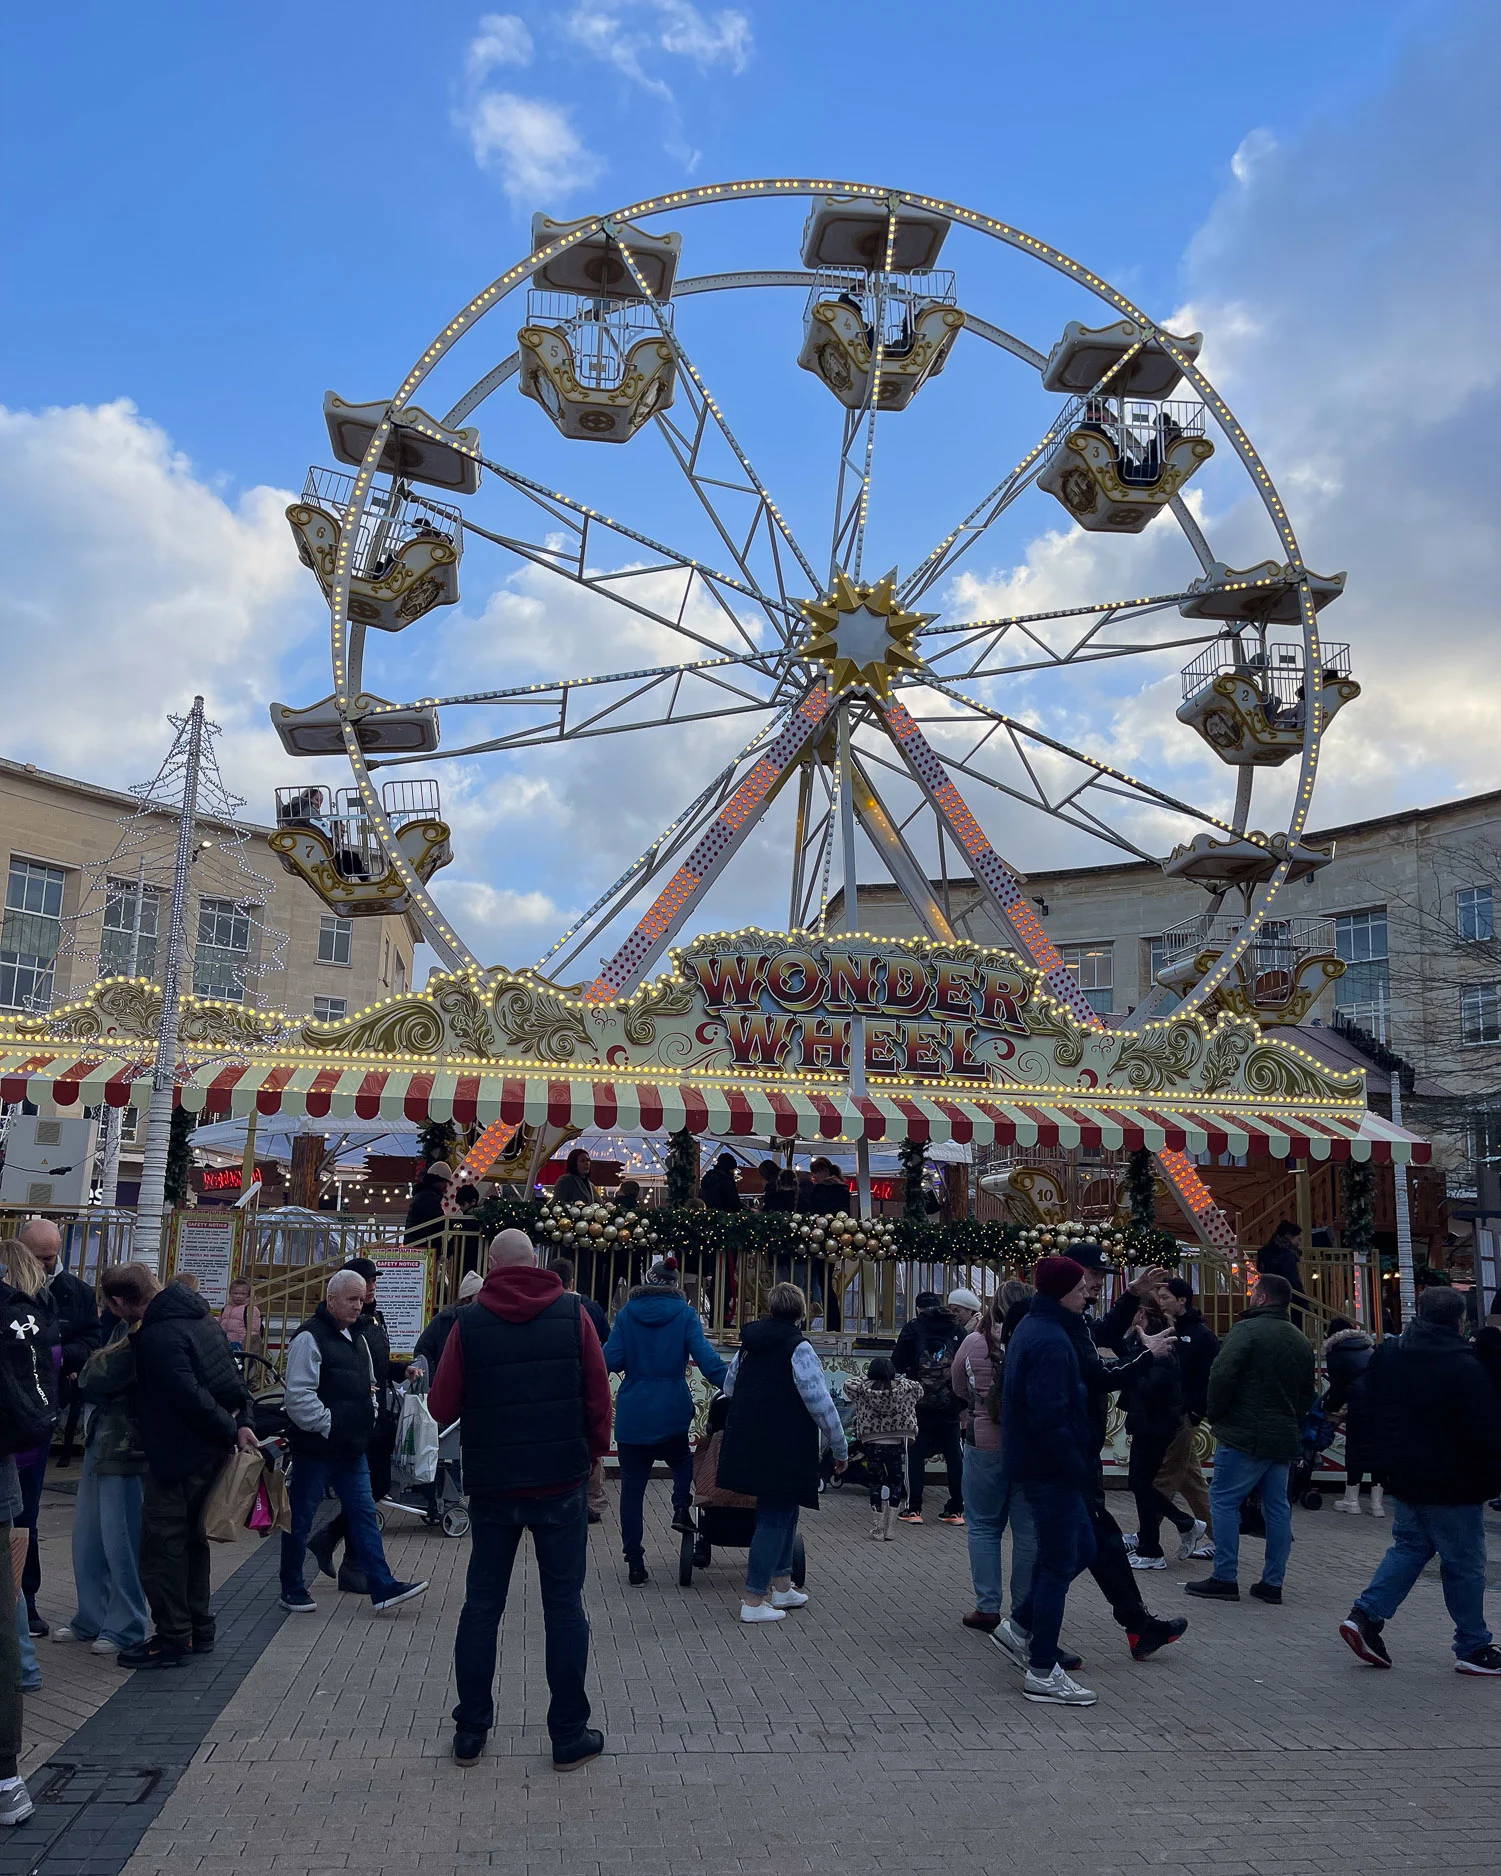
861,635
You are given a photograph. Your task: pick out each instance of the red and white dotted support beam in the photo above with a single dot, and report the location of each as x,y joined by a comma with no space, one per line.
709,858
1002,887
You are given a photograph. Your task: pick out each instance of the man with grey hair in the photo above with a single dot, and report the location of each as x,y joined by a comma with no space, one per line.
331,1407
524,1374
1427,1418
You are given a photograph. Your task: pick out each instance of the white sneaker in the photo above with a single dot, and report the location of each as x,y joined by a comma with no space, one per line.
99,1646
1147,1563
1189,1542
1057,1689
761,1612
67,1633
787,1599
1013,1641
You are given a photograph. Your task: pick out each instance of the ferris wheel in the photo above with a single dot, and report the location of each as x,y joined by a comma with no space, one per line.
868,694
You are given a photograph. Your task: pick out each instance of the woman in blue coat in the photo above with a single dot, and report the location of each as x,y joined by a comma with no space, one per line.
656,1334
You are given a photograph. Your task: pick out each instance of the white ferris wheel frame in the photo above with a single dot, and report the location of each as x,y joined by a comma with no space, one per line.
783,741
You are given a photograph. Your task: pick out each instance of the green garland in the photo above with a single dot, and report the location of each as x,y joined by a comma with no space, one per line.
913,1156
688,1234
179,1156
682,1168
434,1138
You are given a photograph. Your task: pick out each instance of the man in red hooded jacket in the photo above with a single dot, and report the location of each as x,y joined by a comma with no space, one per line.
524,1375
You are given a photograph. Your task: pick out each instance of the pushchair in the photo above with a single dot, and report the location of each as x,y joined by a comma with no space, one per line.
1315,1436
719,1517
440,1502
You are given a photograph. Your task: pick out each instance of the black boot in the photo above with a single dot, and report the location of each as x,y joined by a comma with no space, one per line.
682,1520
638,1574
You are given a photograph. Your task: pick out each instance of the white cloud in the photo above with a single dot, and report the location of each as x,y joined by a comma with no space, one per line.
502,925
502,39
530,144
131,585
672,26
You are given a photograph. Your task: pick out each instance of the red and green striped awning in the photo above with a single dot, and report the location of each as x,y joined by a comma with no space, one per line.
72,1082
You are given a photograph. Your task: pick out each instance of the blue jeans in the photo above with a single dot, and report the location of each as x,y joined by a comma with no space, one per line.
771,1546
1456,1535
1065,1546
990,1500
31,1672
106,1553
635,1469
1236,1476
306,1488
559,1525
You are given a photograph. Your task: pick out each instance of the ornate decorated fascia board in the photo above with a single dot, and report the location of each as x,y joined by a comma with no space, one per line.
776,1009
128,1009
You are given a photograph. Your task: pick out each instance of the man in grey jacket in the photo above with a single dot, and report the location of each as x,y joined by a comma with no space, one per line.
330,1402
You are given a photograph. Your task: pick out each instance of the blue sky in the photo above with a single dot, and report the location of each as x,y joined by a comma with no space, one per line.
213,215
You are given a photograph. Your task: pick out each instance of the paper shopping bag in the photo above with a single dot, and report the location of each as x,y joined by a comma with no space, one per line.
232,1498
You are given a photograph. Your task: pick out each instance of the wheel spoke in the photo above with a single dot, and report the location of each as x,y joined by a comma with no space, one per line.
1106,776
956,544
704,406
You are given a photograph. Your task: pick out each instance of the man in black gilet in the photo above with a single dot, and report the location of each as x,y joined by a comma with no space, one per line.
331,1408
524,1374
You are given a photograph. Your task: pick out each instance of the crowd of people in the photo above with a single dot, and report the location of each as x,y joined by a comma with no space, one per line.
1012,1395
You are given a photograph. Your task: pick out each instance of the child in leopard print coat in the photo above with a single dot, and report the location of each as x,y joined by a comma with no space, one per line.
885,1405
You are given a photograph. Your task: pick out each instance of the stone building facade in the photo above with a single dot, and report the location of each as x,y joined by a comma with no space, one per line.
1414,902
256,934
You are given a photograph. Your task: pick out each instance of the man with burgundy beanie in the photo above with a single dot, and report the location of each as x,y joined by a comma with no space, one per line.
524,1375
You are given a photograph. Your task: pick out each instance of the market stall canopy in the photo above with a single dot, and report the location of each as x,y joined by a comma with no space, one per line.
750,1034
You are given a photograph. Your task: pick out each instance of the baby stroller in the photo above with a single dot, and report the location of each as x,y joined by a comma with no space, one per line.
1315,1436
440,1502
719,1517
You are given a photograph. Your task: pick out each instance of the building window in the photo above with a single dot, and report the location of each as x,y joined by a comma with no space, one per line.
335,936
221,957
1484,1129
1363,994
31,934
330,1009
128,945
1474,916
401,975
1480,1013
1091,966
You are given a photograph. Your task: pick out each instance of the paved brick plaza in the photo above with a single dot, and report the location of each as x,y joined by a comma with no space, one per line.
868,1731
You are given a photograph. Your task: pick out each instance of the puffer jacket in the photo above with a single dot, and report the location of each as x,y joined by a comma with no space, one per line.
656,1334
1047,1431
1262,1385
193,1397
1347,1355
1426,1418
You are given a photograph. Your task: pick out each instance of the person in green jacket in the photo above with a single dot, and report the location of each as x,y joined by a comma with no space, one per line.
1260,1388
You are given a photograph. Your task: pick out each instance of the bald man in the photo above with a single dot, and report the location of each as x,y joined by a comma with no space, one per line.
77,1309
524,1375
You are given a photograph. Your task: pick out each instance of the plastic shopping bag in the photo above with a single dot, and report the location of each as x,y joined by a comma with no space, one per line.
230,1502
416,1454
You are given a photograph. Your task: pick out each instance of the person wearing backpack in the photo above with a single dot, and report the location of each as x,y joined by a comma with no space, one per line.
925,1352
28,1414
655,1336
